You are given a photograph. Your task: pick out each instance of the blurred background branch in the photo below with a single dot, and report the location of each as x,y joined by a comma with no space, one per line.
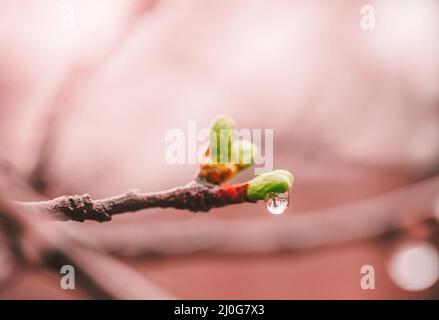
34,245
75,79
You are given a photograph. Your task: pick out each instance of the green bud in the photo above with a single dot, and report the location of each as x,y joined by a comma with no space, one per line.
270,183
243,153
221,138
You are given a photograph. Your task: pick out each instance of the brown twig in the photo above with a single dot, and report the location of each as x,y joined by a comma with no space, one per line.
194,197
370,218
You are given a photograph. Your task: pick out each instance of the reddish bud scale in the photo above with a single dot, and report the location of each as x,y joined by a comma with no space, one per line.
234,193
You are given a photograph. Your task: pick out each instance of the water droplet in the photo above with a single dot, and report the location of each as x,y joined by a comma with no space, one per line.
278,203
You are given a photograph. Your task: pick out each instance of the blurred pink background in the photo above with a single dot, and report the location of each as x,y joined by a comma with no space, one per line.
355,113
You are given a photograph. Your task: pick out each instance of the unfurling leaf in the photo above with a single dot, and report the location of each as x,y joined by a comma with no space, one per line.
269,184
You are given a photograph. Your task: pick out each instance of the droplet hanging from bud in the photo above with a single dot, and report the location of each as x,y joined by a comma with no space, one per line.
278,203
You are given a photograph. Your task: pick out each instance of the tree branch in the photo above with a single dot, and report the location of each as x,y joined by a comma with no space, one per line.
194,197
374,217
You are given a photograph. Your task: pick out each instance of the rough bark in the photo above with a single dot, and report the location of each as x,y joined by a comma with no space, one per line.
194,197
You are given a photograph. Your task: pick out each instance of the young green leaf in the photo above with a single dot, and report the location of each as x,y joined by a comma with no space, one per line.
221,139
270,183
